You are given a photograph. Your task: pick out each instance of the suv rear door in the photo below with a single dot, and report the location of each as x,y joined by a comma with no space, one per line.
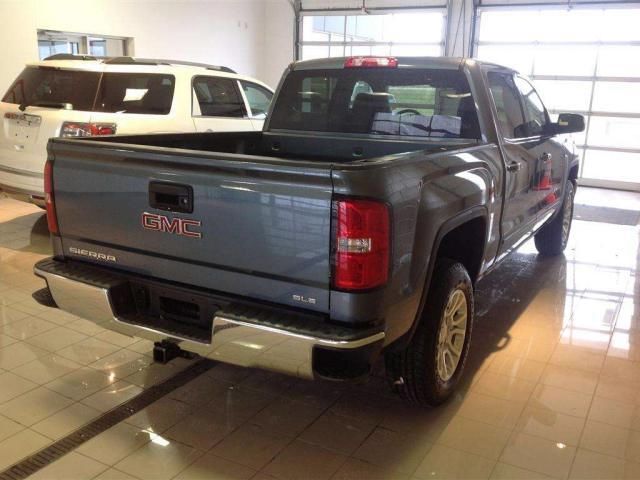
32,111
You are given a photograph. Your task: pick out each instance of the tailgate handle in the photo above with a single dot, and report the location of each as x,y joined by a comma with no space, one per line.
171,197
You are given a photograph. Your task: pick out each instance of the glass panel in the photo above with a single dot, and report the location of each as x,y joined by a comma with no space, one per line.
620,24
54,87
416,50
564,95
565,60
617,97
623,167
619,61
98,48
336,51
259,98
411,102
328,28
614,132
509,26
146,93
519,57
309,52
366,28
569,25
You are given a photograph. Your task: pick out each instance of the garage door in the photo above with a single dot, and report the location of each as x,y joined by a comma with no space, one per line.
409,34
583,60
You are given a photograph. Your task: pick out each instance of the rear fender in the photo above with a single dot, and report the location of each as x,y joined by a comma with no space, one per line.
448,226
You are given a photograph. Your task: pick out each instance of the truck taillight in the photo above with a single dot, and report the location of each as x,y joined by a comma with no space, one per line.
85,129
371,62
49,198
361,244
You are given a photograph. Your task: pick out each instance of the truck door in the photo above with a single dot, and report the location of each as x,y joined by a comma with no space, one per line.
218,105
550,155
521,200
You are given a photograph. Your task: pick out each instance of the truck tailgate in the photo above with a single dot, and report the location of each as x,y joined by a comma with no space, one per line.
258,228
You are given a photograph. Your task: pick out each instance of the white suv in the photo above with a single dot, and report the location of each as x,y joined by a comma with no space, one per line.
67,95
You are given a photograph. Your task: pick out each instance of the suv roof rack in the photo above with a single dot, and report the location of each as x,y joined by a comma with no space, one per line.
71,56
125,60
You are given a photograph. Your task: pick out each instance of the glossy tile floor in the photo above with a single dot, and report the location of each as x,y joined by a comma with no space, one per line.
552,388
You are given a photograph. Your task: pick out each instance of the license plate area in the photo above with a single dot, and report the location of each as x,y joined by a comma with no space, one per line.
22,128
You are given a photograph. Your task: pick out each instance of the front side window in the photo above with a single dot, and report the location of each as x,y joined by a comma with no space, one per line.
145,93
218,97
535,114
259,98
508,107
419,103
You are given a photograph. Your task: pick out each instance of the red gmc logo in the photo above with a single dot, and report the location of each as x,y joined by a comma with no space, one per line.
177,226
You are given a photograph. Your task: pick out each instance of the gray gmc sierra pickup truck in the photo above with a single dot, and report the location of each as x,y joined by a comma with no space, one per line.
355,225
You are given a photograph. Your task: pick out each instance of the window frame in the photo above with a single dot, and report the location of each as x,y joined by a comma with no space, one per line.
511,75
344,44
234,81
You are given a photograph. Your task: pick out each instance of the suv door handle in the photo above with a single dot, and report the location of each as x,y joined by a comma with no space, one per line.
513,167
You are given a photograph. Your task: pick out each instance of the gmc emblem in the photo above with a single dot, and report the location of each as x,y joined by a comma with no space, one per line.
177,226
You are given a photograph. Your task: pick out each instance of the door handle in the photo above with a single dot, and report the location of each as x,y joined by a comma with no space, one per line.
171,197
546,157
513,167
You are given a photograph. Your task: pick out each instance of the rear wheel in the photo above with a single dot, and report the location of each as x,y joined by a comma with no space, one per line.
552,239
429,369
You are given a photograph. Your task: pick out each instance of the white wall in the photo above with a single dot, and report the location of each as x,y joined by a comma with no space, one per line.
224,32
279,40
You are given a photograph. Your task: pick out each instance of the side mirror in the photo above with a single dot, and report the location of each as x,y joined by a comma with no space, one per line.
569,123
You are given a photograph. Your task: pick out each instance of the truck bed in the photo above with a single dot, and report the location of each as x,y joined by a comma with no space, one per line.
312,147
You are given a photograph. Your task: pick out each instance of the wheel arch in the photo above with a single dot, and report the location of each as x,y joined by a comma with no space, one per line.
470,227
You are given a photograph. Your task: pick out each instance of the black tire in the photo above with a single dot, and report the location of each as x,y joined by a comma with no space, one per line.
413,372
552,238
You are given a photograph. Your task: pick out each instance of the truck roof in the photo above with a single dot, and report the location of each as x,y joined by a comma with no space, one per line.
452,63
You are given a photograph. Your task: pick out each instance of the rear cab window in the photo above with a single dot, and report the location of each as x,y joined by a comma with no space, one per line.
145,93
400,102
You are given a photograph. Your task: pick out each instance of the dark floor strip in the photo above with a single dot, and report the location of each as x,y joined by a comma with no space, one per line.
58,449
594,213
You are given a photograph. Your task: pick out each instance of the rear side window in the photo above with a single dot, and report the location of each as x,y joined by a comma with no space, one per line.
50,87
218,97
259,98
401,102
146,93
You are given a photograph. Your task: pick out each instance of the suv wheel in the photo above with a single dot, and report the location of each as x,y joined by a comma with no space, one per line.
552,239
429,369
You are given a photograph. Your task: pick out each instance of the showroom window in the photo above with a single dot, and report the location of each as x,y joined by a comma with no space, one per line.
418,33
54,42
583,60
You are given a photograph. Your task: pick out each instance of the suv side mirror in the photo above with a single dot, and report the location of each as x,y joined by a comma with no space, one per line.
569,123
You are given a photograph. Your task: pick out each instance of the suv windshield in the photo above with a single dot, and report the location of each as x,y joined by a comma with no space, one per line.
418,103
146,93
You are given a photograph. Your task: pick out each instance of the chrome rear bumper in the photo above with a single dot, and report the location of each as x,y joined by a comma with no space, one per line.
243,343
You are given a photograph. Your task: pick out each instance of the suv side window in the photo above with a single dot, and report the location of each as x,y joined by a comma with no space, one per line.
218,97
507,100
258,98
535,114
